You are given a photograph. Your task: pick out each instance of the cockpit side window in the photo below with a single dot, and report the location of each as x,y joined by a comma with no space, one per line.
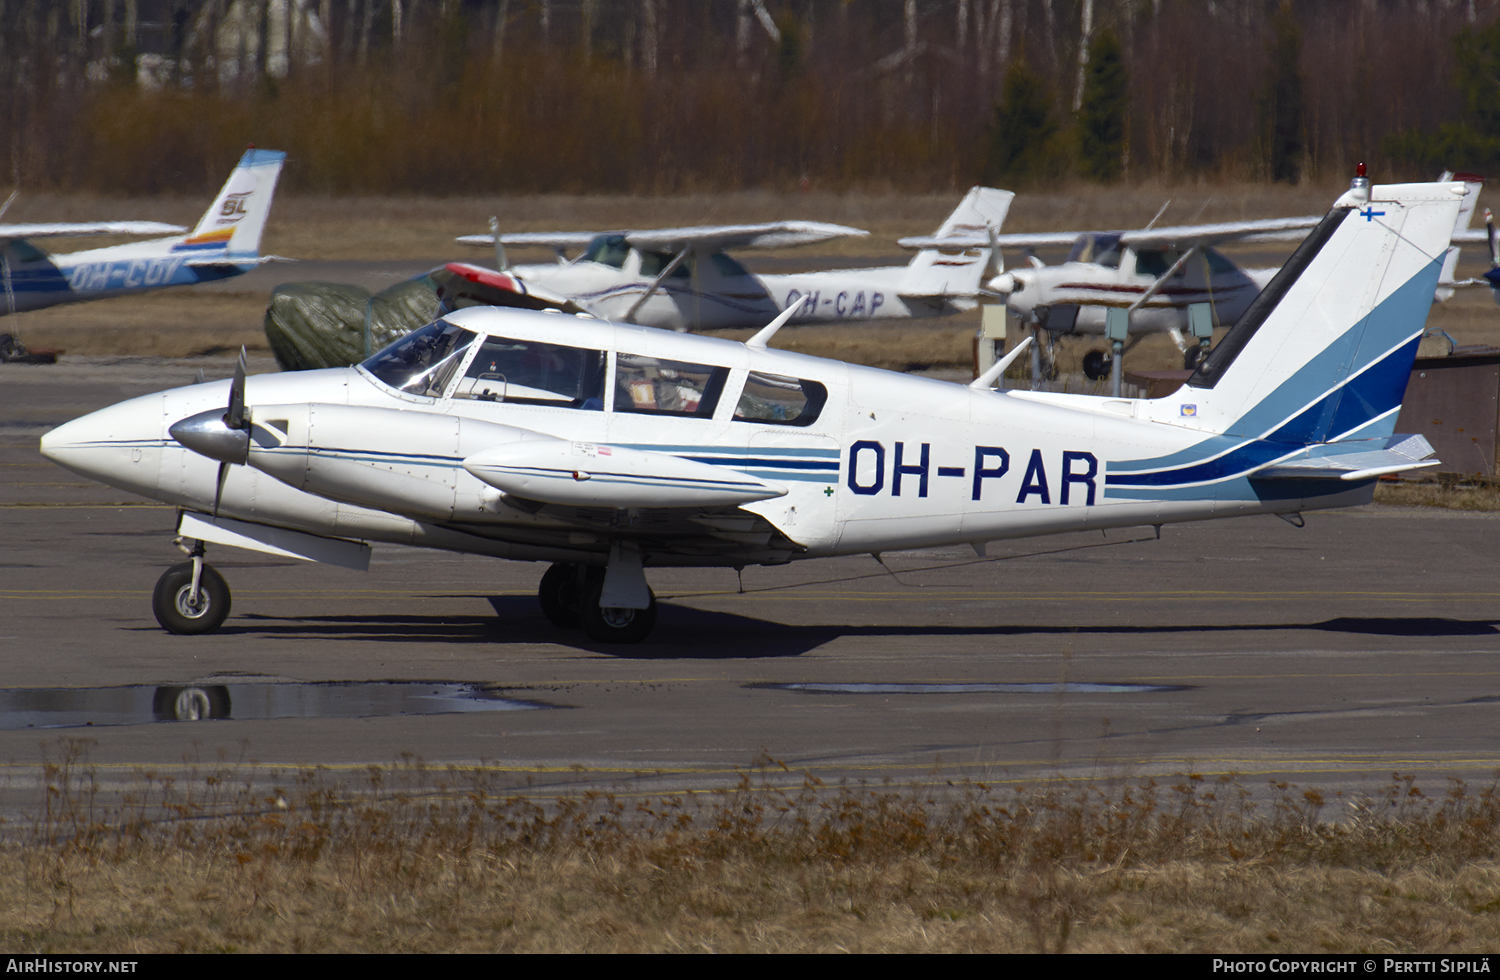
772,399
653,262
658,386
609,250
422,362
534,373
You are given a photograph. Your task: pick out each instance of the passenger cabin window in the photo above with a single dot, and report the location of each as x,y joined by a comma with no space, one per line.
1217,263
534,373
607,250
423,362
772,399
661,387
652,263
727,266
1155,262
19,252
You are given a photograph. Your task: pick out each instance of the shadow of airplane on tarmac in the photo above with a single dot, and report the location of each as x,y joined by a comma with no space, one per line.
686,633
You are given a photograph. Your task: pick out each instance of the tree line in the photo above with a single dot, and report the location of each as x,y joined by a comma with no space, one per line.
663,96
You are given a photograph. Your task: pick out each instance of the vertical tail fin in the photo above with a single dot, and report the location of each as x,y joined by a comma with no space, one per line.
934,274
1325,351
1472,184
231,228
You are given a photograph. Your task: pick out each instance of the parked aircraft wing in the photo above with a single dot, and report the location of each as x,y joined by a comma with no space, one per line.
704,238
1271,229
56,228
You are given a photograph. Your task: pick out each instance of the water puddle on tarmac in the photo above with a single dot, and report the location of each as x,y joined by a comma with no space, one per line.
1070,687
144,704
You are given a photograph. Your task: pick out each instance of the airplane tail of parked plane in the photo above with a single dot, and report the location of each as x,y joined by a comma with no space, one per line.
1472,184
229,231
936,274
1321,358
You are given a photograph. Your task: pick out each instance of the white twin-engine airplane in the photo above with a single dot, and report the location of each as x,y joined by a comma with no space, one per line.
607,449
226,242
1157,274
682,279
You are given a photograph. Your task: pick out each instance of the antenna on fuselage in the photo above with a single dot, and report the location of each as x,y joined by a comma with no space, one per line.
769,330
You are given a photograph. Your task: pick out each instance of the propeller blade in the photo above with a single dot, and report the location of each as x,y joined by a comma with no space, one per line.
501,262
219,487
1489,226
235,417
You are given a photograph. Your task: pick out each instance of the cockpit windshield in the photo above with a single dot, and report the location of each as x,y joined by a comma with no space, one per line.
609,250
422,362
1101,249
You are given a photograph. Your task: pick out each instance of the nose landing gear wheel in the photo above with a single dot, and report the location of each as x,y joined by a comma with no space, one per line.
606,624
179,611
1096,365
559,594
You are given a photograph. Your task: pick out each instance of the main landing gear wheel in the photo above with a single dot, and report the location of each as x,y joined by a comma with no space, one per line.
179,611
606,624
1096,364
559,595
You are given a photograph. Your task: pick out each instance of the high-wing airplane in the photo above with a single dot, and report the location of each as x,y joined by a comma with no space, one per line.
226,242
1157,274
682,278
606,449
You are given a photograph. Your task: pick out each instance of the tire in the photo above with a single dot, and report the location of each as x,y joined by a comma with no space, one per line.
190,703
1095,365
1191,358
10,347
176,614
614,625
559,594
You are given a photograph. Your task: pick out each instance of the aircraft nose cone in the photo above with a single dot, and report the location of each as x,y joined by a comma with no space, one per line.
207,435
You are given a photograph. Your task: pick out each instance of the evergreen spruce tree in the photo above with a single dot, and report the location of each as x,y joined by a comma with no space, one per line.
1101,114
1283,99
1022,136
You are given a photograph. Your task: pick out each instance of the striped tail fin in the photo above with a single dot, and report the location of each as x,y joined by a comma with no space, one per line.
230,229
1325,351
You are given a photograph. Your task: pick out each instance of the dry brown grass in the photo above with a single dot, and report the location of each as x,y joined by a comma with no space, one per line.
417,859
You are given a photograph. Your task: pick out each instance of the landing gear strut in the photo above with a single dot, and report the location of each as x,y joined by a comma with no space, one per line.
191,598
572,596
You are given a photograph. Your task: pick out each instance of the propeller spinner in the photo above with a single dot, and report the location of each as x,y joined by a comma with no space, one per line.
224,436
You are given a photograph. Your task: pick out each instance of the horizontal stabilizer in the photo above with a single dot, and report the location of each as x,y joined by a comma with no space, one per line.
1393,455
584,474
210,260
57,229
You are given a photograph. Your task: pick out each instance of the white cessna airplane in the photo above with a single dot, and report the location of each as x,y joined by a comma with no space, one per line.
682,279
607,449
1157,274
226,242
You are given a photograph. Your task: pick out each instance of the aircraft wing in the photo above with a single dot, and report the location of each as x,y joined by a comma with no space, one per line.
57,228
1268,230
703,238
